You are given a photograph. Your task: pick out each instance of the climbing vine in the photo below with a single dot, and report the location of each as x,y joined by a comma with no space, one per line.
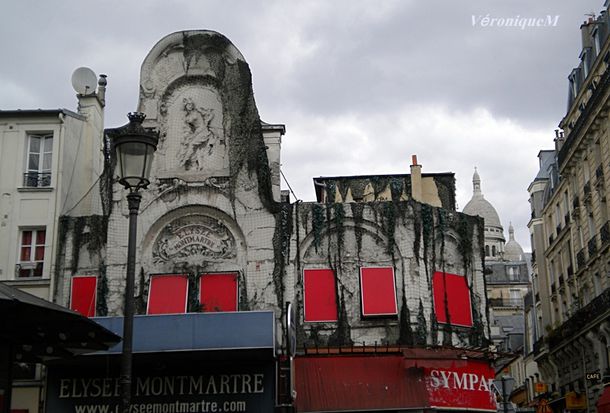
421,332
405,331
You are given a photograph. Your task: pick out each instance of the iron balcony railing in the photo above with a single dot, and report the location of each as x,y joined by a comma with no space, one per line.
580,258
604,233
505,302
592,246
36,179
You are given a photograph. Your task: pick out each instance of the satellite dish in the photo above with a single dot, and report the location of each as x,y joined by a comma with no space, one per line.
84,81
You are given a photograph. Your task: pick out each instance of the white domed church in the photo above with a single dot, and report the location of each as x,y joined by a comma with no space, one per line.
506,272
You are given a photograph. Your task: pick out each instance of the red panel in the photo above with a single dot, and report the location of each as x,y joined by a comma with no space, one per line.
603,403
167,294
378,291
454,289
320,295
357,383
218,292
83,294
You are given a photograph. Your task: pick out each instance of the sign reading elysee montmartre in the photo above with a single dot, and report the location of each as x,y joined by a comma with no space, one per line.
238,390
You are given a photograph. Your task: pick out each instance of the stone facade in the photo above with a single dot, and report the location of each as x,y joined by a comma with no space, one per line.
213,206
570,233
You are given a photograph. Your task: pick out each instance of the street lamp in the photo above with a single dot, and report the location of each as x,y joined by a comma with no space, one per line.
135,146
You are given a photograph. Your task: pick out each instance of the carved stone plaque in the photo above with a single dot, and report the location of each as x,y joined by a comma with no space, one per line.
194,240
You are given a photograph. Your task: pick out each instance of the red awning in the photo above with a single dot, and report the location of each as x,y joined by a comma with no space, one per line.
340,383
433,380
603,403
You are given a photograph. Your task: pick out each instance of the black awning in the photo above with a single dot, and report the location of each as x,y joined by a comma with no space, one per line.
39,330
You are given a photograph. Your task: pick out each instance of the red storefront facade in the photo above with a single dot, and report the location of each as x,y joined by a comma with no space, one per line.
410,379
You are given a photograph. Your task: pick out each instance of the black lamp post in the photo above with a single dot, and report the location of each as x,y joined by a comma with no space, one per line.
135,146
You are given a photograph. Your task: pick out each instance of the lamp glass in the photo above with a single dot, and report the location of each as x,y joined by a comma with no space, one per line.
135,159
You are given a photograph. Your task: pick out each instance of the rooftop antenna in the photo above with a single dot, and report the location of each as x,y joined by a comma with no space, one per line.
84,81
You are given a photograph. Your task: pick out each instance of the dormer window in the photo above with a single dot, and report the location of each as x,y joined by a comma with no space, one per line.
596,42
585,57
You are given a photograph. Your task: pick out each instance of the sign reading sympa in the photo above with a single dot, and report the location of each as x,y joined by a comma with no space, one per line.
461,383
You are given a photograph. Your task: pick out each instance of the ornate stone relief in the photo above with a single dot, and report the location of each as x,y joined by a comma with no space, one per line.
192,132
194,239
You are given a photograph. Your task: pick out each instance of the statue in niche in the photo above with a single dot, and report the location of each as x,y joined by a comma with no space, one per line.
200,139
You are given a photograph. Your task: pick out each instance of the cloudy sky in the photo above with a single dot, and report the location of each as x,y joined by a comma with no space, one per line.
360,85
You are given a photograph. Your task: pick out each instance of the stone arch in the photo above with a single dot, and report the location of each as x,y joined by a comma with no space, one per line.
369,229
194,236
180,54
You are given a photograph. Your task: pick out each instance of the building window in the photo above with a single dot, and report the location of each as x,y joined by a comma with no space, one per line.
596,42
320,298
451,299
167,294
378,291
218,292
83,295
40,153
31,253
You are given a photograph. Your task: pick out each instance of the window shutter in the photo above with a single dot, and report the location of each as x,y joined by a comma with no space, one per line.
168,294
320,295
218,292
378,291
83,294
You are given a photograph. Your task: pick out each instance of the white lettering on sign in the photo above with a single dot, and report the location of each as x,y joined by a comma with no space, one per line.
164,386
460,381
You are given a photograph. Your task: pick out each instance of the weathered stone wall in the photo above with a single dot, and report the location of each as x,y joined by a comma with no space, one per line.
210,208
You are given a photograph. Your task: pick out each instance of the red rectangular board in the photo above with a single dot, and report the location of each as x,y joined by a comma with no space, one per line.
378,291
454,289
320,295
218,292
83,293
167,294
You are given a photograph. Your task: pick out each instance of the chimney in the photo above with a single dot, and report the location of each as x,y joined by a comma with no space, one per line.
101,89
416,184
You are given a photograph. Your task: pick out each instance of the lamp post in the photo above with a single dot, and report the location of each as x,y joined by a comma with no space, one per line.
135,146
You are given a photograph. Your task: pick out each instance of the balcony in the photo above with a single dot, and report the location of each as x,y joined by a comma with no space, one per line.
580,319
592,246
575,202
36,179
604,233
587,192
506,302
538,345
580,258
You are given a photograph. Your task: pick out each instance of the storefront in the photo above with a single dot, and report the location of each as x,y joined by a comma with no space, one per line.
416,379
189,363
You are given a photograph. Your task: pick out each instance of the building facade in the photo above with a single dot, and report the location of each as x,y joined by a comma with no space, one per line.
49,161
570,237
507,277
374,294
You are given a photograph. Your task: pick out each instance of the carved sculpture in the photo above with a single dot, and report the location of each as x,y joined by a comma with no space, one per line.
200,139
